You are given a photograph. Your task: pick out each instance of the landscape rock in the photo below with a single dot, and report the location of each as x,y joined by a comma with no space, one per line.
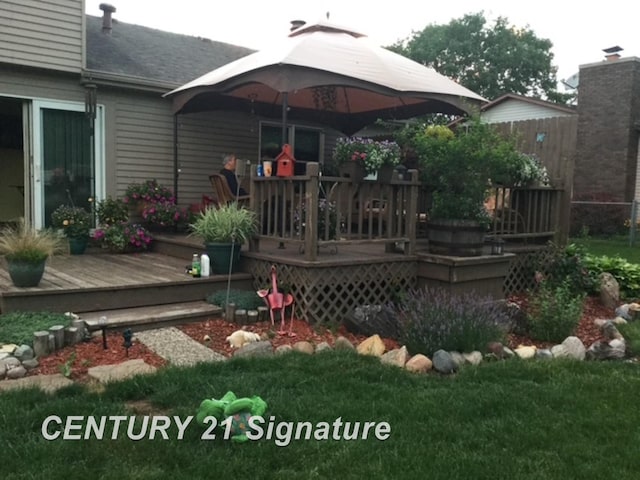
419,364
24,352
304,347
609,291
610,332
343,343
575,348
8,348
322,346
497,349
473,358
526,352
10,362
282,349
559,351
3,370
256,349
544,354
372,346
120,371
4,355
601,350
47,383
443,362
397,357
458,358
508,353
30,364
623,311
16,372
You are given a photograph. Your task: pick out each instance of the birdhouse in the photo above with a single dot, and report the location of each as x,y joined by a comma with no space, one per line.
285,162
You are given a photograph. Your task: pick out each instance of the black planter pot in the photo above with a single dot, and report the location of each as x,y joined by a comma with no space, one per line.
25,274
77,245
220,256
457,238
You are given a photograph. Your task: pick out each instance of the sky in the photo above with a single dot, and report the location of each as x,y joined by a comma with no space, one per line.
578,30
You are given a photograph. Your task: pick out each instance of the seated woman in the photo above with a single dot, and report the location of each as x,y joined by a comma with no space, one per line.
229,172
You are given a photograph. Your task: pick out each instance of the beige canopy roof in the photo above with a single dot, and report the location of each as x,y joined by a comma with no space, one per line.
326,74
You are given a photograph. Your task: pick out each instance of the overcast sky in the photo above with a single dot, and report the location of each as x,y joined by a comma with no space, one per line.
578,30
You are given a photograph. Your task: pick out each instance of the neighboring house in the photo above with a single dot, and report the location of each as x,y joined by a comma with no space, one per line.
516,108
53,56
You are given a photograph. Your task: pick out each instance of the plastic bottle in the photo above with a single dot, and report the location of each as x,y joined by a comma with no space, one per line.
195,265
205,265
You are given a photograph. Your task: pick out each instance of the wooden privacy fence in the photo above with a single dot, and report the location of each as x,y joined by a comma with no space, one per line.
313,211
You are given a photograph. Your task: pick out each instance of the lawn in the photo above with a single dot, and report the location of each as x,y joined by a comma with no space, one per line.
611,246
514,419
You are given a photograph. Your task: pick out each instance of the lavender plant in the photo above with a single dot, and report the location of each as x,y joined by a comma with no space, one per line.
433,319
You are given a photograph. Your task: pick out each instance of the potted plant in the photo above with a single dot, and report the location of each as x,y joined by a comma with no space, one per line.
26,251
75,223
357,157
223,230
111,211
458,168
138,195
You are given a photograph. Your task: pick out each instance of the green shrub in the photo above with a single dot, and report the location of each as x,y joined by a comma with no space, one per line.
631,334
569,266
433,319
244,299
18,327
554,312
626,273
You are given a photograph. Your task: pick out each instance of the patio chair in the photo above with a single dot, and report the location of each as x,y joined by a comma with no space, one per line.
223,193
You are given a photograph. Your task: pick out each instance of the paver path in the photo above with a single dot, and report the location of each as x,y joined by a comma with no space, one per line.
177,347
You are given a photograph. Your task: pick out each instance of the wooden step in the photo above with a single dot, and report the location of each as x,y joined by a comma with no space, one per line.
143,318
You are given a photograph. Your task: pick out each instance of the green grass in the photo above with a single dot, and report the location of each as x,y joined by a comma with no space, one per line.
18,327
611,247
515,419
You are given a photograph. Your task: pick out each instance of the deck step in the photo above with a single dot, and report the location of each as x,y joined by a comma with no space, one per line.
143,318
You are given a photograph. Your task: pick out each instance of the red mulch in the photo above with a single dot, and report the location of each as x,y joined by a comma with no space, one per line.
91,354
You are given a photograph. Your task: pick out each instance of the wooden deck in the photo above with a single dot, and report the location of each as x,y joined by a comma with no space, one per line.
90,282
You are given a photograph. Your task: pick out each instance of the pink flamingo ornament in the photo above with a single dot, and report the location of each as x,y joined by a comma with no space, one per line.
278,301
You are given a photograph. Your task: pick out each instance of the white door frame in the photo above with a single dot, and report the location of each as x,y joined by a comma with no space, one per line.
36,147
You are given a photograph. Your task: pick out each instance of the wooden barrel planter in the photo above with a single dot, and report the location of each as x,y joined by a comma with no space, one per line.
458,238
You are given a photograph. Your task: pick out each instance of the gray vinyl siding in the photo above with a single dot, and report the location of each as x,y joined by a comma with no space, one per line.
42,33
31,84
513,111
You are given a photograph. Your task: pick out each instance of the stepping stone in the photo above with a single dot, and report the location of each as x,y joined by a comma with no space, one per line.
176,347
47,383
120,371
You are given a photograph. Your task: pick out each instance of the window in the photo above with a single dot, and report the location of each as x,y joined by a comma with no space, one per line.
307,143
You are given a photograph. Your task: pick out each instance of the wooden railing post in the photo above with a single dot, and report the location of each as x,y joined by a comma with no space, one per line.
311,212
254,242
411,217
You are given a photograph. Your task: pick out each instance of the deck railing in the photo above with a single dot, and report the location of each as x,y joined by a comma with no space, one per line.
314,211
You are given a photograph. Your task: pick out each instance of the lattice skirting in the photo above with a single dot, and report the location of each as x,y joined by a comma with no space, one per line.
329,293
523,268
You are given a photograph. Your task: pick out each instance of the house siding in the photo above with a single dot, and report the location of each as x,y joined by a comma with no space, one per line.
45,34
514,111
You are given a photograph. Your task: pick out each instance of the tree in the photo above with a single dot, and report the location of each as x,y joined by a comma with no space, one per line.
490,60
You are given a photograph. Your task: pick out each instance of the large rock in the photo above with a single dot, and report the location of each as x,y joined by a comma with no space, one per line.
473,358
372,346
256,349
609,291
397,357
282,349
343,343
47,383
24,352
575,348
3,370
544,354
10,362
322,346
304,347
458,358
497,349
443,362
120,371
8,348
16,372
30,364
419,364
559,351
526,352
601,350
610,332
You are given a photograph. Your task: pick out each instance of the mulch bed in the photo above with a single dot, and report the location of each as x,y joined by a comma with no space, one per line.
91,354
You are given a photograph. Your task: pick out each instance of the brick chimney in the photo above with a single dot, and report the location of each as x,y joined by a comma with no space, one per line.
107,21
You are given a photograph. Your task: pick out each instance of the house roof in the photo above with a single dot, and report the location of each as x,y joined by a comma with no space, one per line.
533,101
155,55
